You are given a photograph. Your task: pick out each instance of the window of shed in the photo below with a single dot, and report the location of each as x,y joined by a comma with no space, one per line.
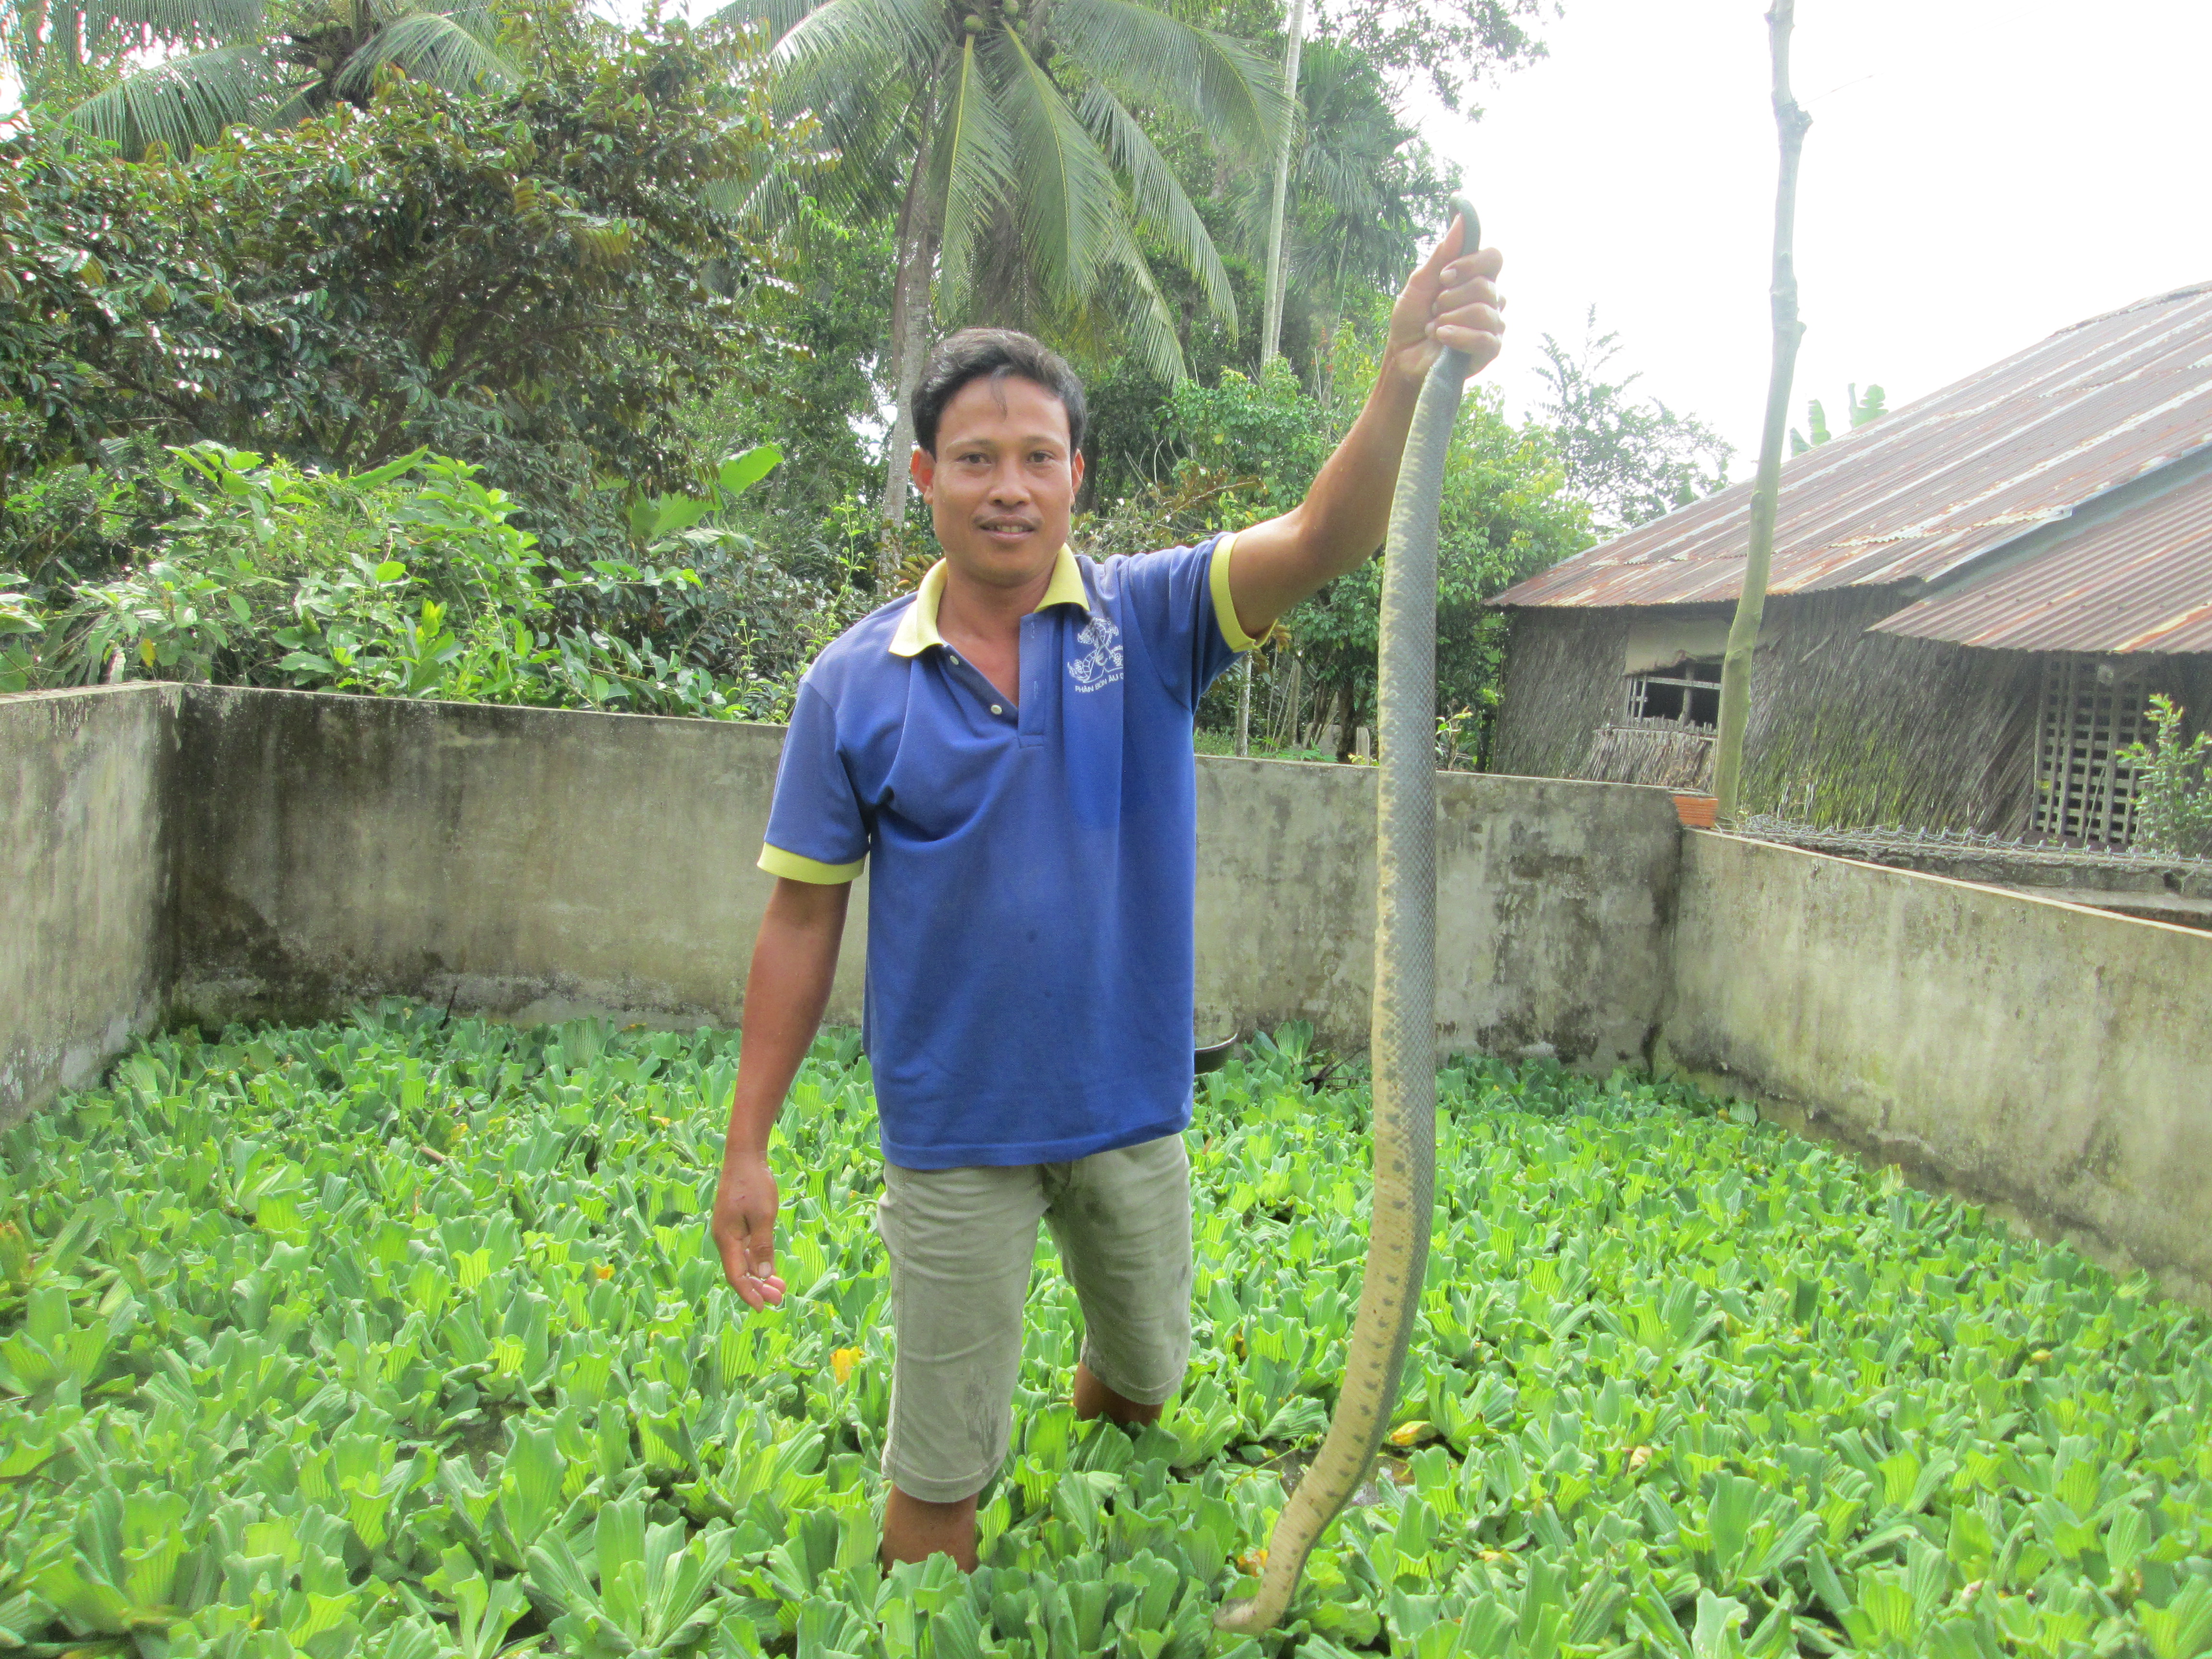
1686,694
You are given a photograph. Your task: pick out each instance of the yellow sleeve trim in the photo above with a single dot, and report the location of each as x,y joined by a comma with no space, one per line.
1225,607
777,862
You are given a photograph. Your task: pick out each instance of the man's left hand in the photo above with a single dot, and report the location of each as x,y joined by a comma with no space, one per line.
1451,300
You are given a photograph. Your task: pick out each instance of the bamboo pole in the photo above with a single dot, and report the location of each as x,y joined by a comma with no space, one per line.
1791,122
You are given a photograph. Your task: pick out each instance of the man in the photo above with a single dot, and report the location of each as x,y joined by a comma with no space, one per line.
1011,745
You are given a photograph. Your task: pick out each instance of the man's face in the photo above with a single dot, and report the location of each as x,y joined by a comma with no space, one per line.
1002,483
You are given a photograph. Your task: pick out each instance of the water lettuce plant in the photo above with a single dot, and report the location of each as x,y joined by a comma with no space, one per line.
401,1336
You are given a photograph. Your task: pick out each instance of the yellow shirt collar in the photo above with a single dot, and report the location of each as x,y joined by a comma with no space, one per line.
917,629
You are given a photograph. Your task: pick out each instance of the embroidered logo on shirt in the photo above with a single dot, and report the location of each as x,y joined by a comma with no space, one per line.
1101,666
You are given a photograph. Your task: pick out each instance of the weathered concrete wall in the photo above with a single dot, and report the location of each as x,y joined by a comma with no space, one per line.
529,863
2052,1059
1553,904
536,864
84,943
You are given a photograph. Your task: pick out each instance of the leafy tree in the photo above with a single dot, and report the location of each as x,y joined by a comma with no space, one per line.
1247,450
225,62
817,400
1449,45
1007,139
1862,410
534,282
1504,515
109,323
1631,459
1364,189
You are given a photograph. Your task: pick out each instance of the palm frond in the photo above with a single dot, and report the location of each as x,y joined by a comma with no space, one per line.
776,17
843,90
1234,92
1070,200
186,102
1345,182
972,166
441,47
846,42
1161,204
108,24
869,135
1147,319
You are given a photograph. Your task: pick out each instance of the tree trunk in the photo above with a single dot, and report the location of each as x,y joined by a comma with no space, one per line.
1244,708
1271,327
1790,123
1291,725
909,346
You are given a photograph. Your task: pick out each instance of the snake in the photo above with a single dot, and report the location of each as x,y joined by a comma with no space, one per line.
1402,1043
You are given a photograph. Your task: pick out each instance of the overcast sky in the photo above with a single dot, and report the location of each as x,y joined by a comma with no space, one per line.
1978,173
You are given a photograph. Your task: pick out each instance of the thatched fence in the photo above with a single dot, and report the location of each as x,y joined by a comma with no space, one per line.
1667,753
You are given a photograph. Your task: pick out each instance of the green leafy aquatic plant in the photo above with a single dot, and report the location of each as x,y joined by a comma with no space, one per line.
401,1336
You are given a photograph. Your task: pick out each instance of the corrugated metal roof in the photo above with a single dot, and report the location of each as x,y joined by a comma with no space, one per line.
1930,486
2142,580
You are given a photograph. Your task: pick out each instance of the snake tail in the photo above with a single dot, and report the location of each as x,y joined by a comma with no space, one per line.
1402,1038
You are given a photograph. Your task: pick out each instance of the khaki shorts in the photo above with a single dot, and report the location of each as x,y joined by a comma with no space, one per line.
961,1243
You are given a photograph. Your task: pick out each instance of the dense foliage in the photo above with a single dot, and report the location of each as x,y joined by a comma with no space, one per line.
1245,448
2173,785
402,1336
177,72
412,580
535,283
599,270
1632,459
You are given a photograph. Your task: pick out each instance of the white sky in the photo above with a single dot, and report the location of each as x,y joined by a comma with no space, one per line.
1978,173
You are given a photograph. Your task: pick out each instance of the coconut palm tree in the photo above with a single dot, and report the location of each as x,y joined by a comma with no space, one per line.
1362,187
237,61
1355,188
1006,135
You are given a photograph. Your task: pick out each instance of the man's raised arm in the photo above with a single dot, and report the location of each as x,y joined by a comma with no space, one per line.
1450,301
794,960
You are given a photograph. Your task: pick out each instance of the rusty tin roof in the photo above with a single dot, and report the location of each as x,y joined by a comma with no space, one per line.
1926,489
2140,580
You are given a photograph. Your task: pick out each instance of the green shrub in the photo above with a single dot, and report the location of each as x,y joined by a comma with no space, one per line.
2173,787
411,580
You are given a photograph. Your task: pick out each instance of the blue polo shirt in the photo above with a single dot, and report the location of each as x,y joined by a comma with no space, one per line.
1030,955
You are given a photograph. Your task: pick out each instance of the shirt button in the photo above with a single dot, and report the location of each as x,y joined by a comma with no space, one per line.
995,709
954,656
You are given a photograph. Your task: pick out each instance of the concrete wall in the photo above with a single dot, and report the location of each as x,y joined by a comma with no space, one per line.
2055,1059
1554,901
530,863
84,940
537,863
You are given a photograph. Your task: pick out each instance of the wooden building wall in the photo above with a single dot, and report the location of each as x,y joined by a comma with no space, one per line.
1847,727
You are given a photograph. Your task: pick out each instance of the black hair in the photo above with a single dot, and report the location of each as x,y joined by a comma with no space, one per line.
974,354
